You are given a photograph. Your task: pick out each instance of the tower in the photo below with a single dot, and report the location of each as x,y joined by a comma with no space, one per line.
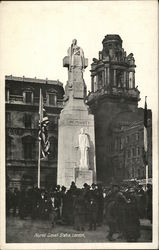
113,92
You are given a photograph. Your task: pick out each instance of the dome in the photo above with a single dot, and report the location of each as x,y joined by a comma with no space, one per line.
112,38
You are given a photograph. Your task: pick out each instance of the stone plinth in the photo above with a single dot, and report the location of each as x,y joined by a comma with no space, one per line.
83,176
73,117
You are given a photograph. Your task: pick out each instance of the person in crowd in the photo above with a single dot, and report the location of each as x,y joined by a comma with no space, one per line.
73,187
100,204
68,207
92,212
53,209
62,207
58,202
111,213
132,222
120,206
23,201
9,200
15,199
141,202
79,208
149,202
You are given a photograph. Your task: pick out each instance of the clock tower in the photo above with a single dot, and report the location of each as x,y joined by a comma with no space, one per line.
113,92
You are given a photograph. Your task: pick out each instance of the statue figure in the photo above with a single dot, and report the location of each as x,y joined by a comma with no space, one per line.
131,59
84,146
76,56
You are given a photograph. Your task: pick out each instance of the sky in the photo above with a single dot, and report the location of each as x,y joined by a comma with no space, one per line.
35,37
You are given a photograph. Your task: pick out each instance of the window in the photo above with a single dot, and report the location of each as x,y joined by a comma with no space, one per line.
27,121
8,119
116,144
28,97
133,152
138,150
138,173
8,147
129,153
52,99
27,150
53,148
28,147
121,143
133,173
137,136
127,139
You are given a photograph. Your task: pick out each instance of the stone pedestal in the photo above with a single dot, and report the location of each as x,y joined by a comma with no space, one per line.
73,117
83,176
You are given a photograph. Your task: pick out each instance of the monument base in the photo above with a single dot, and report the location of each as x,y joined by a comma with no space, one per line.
83,176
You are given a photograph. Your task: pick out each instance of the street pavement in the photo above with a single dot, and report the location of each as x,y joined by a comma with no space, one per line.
40,231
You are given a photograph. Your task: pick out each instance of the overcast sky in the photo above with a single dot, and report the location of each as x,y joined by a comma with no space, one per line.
35,37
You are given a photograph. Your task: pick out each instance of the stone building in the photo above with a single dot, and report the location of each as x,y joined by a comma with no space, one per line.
119,124
22,121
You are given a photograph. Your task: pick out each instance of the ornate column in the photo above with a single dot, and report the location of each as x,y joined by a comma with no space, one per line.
105,76
127,80
133,79
114,82
92,83
124,85
108,76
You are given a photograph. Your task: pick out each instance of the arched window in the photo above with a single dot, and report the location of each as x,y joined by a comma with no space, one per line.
28,147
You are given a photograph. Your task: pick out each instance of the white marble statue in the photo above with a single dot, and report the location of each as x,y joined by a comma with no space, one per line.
84,146
76,56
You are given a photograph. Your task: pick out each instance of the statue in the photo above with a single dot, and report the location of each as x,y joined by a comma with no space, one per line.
131,59
84,146
76,56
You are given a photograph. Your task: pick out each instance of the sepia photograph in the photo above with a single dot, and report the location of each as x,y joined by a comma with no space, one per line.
79,134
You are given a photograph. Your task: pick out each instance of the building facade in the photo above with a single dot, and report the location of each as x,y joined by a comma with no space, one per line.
114,101
22,124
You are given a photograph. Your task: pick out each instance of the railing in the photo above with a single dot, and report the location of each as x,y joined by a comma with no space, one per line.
17,99
114,91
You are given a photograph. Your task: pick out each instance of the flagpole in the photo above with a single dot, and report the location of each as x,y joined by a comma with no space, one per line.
147,174
146,142
39,164
39,153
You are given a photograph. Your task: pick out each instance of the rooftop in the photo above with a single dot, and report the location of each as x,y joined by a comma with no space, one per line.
33,80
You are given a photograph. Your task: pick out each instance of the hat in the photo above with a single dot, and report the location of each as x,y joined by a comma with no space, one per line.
131,190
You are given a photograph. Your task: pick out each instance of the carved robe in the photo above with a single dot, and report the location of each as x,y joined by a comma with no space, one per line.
84,146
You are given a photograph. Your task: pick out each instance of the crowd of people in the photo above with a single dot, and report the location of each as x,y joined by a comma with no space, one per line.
87,208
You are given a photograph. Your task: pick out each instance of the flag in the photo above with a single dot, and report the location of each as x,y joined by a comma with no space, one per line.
145,134
43,129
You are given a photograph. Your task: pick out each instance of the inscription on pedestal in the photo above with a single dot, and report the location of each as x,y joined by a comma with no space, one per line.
84,176
77,122
69,174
